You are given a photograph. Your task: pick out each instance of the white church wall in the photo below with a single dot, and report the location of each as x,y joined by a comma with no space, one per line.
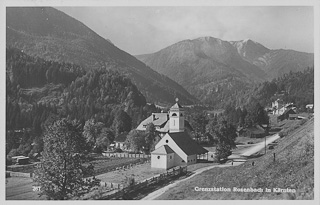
170,160
166,140
159,161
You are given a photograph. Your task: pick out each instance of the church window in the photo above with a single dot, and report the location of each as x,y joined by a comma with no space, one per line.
181,115
167,141
158,157
174,114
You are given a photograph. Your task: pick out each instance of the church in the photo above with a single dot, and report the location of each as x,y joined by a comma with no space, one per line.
176,147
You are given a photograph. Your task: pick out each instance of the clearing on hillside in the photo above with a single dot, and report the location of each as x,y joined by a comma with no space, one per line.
293,168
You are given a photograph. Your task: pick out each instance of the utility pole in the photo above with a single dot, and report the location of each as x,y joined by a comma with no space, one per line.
265,144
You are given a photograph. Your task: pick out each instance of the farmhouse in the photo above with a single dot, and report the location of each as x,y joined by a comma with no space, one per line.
20,159
176,147
255,132
119,141
286,114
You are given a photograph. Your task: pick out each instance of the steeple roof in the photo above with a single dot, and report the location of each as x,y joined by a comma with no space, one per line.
176,106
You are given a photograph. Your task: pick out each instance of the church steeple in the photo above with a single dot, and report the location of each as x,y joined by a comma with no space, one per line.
176,115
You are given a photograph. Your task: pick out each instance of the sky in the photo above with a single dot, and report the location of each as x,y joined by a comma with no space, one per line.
141,30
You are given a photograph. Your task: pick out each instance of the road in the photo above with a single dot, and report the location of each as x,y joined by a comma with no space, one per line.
259,146
245,153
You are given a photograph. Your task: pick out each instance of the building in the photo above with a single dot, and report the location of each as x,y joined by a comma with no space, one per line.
309,107
162,122
286,114
293,116
119,141
176,147
276,106
20,160
255,132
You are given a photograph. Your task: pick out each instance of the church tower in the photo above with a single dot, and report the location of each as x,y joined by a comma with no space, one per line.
176,120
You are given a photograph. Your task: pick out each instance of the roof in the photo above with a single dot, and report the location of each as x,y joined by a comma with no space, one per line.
290,111
164,149
20,157
121,137
186,144
176,106
256,130
158,119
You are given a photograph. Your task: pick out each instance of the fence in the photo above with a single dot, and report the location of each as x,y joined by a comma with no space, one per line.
18,174
178,171
125,155
112,185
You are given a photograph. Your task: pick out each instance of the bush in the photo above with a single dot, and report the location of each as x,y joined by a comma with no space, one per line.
130,181
118,150
282,134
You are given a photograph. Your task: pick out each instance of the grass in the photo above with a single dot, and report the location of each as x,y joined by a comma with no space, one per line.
105,164
139,173
18,188
293,168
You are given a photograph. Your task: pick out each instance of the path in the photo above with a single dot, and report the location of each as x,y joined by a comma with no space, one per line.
259,146
159,192
246,152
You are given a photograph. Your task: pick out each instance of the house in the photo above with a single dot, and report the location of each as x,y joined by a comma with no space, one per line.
309,106
276,106
285,115
255,132
175,147
119,141
293,116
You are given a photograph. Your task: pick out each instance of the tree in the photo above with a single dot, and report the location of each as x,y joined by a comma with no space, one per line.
60,172
226,135
122,122
149,137
104,139
136,140
199,122
91,132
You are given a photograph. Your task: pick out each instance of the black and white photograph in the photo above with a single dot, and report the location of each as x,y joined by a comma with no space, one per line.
160,100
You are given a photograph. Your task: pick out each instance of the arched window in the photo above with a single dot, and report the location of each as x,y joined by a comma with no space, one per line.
158,157
181,115
174,114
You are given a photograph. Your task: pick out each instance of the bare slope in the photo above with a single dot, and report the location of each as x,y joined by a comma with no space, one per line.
209,68
274,62
53,35
293,168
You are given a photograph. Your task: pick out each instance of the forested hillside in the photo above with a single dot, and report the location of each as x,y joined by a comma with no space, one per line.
40,91
52,35
295,87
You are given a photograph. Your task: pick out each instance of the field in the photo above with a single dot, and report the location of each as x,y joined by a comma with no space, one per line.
104,164
293,168
18,188
141,172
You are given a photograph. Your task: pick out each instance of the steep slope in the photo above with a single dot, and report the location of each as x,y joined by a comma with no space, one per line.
53,35
204,66
274,62
292,169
